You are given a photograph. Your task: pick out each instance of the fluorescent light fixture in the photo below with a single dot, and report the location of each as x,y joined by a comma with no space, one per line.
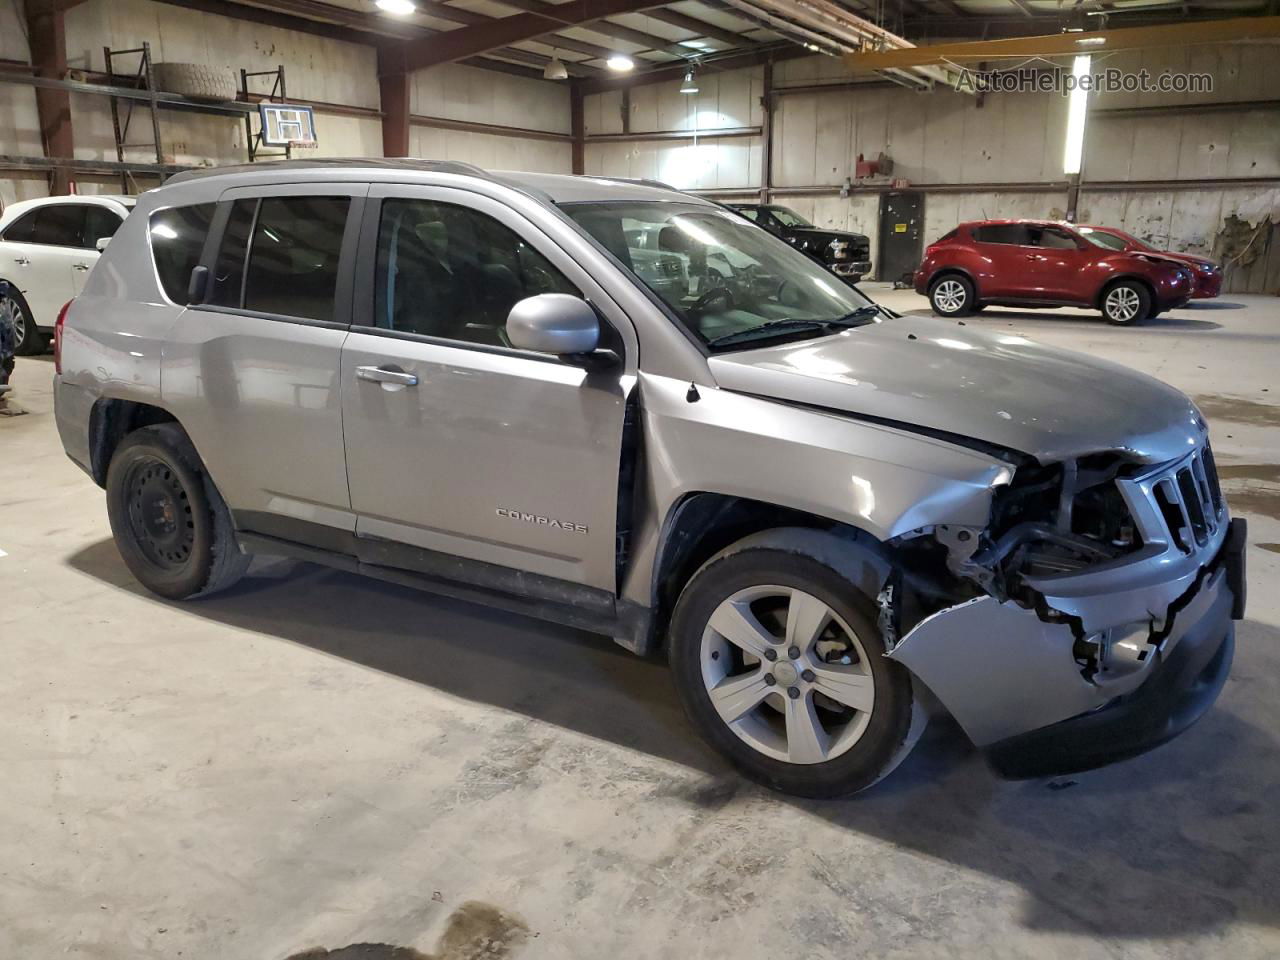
1077,106
1091,41
690,85
555,70
401,8
620,63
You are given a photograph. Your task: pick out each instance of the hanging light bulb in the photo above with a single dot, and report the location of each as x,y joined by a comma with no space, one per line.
690,84
555,69
619,63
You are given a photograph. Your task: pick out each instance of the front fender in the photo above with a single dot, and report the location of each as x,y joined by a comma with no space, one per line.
882,480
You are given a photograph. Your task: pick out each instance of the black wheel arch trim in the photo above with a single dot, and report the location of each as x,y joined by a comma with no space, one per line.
943,271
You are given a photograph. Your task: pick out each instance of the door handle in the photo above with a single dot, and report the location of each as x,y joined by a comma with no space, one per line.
80,266
21,261
387,374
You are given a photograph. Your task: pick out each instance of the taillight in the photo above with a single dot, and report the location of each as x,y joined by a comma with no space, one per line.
57,336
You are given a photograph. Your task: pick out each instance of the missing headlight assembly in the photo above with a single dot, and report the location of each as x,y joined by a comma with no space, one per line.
1080,583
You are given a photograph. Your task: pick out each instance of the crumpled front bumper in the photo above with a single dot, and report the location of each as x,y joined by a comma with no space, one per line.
1012,682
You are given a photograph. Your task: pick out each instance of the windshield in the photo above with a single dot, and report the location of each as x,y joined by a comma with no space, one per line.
733,284
788,218
1107,241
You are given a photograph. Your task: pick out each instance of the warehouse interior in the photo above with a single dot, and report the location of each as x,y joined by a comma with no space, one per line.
314,764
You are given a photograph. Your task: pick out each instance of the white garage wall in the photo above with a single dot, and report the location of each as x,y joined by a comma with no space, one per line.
724,101
458,92
18,119
945,139
490,151
316,68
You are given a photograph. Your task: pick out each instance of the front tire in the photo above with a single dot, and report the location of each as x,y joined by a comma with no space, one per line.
1126,303
170,524
780,665
951,296
28,340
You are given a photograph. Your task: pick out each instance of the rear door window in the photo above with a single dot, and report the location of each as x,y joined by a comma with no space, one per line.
293,256
228,271
280,256
177,237
1014,233
60,225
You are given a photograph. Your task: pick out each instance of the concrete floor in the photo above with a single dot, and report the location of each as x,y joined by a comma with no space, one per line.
316,760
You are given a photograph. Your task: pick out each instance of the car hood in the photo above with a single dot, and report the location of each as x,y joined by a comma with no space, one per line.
1001,389
817,233
1185,258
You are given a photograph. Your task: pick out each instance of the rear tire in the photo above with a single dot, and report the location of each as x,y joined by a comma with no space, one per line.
1126,303
170,524
28,340
783,716
952,295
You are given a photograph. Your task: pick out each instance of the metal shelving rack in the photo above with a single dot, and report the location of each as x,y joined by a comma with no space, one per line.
142,80
137,91
253,141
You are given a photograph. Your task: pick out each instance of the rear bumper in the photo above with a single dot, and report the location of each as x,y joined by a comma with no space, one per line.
72,408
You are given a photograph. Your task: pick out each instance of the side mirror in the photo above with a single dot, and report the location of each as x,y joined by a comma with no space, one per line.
102,243
198,285
554,323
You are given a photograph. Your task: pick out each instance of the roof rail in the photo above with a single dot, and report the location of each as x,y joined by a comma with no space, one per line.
383,163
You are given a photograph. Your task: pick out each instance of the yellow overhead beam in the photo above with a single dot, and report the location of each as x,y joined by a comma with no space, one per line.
1060,44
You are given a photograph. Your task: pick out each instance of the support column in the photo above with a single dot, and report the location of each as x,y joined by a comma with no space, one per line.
47,35
1073,197
393,89
767,103
577,127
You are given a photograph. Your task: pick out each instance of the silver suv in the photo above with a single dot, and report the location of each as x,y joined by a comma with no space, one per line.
831,519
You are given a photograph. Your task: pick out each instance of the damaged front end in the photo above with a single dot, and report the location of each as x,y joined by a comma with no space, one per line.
1088,621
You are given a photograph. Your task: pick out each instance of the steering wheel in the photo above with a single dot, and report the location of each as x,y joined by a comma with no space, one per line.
715,295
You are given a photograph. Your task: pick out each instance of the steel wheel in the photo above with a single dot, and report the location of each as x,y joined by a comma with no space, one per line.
1123,305
787,675
160,516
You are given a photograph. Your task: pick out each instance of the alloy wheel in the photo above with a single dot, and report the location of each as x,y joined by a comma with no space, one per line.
949,296
786,674
10,310
1123,304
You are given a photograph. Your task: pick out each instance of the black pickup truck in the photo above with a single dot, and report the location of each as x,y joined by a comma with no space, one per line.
847,255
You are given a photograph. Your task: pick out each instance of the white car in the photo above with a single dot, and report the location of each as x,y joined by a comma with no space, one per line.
47,248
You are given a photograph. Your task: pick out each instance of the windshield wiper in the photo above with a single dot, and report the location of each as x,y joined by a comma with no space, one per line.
857,318
789,325
771,328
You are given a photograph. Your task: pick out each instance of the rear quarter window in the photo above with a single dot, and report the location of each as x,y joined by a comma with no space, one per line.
177,237
23,229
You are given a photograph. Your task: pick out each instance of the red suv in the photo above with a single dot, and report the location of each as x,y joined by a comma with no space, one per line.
1041,263
1205,274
